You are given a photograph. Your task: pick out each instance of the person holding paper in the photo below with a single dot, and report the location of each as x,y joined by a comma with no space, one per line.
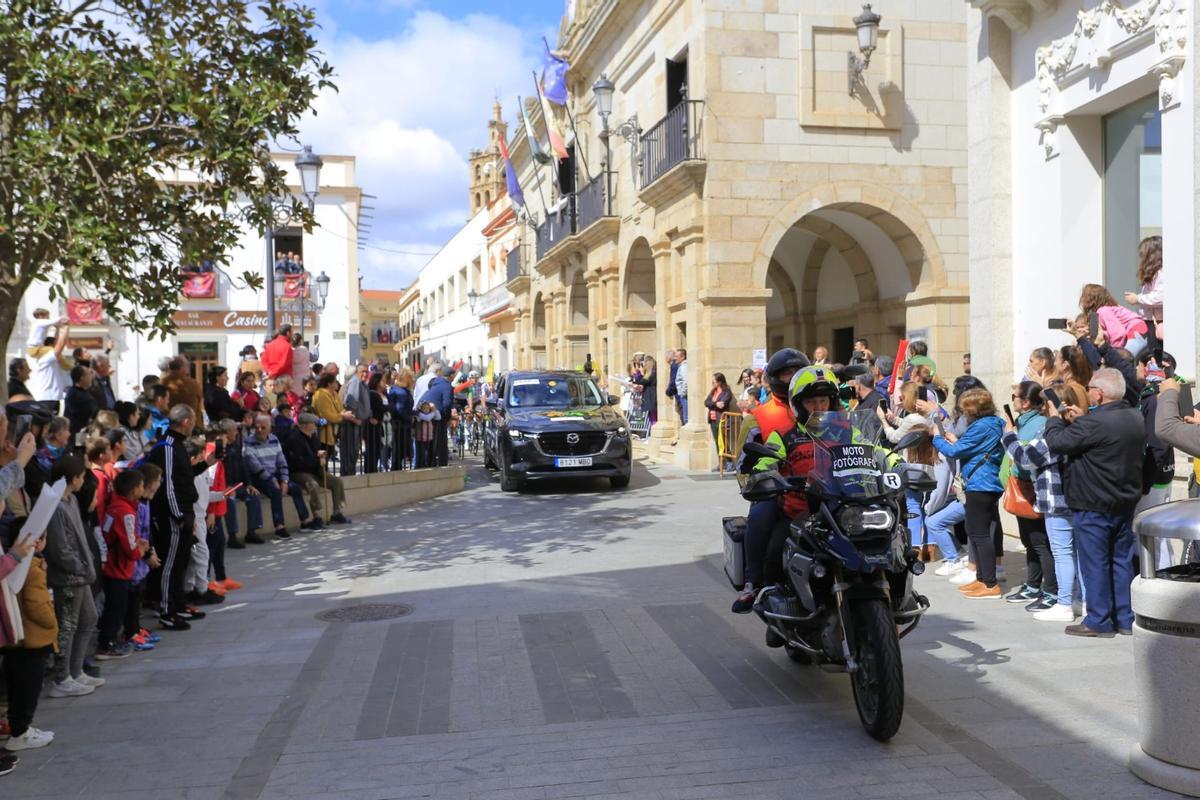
25,665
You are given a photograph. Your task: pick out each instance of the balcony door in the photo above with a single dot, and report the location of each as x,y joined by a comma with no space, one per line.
676,80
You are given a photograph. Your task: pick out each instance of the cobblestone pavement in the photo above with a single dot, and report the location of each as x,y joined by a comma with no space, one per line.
571,642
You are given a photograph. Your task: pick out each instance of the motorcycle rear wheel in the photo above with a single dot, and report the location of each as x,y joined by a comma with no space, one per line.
879,680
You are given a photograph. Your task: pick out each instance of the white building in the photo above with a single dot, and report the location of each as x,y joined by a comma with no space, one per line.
1082,126
452,330
213,330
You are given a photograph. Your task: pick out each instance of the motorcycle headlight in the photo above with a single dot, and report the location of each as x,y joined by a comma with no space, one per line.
868,519
621,431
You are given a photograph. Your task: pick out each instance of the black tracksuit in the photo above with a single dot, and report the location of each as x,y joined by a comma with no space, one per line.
172,517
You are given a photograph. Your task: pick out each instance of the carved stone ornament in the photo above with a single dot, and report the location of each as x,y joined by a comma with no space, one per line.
1167,19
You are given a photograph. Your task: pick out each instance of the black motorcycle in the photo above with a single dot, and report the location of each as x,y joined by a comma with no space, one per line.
847,596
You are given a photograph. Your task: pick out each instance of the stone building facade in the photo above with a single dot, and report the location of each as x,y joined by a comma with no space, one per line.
751,195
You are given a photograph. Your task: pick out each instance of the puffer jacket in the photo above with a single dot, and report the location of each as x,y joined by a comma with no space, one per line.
37,609
68,549
979,454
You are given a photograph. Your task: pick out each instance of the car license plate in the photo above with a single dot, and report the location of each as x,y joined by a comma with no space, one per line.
573,462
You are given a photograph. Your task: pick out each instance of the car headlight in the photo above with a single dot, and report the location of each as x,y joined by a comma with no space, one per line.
867,519
516,435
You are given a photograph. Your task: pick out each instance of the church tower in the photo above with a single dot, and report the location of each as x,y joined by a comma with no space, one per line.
487,165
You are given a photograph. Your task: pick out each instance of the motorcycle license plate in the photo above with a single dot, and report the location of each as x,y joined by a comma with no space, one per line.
573,462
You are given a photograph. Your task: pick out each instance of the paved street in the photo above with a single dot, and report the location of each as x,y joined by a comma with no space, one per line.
571,642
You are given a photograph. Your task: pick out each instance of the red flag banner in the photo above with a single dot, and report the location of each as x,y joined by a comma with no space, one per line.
200,284
898,369
295,286
85,312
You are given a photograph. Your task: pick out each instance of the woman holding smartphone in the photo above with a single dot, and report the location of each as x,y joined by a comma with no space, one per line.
1028,419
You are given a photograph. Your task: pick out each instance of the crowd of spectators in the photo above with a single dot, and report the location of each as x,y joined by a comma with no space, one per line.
151,491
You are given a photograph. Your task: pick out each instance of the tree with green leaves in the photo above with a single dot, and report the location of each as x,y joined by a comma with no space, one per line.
135,137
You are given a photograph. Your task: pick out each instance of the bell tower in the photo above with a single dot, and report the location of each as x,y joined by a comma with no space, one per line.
487,166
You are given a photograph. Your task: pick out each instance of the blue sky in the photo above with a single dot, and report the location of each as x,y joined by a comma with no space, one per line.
416,84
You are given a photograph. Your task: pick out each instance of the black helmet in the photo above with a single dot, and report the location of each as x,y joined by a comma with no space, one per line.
783,360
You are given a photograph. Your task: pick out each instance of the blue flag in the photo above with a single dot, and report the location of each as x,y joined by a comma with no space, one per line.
554,77
510,175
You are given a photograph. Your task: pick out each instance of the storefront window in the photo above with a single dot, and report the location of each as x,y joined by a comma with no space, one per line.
1132,188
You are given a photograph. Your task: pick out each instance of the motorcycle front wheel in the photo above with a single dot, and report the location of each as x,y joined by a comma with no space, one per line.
879,680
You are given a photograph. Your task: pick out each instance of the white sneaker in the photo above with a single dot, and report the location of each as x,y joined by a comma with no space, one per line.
88,680
70,688
1057,613
963,577
31,739
950,566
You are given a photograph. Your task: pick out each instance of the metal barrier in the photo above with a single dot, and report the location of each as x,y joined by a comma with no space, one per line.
730,432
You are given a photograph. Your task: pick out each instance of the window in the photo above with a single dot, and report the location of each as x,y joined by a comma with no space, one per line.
1132,188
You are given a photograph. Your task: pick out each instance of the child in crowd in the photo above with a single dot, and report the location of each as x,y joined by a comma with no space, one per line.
141,638
125,551
39,328
25,664
99,457
427,416
116,453
196,580
71,572
218,509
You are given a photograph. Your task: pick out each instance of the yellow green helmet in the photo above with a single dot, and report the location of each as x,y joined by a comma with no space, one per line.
816,381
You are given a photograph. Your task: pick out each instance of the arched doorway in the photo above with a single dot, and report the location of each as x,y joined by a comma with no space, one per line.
639,298
577,322
845,270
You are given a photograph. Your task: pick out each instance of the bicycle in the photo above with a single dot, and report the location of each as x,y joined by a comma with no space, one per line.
475,436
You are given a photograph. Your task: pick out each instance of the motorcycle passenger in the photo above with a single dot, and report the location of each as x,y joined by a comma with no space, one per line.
774,414
812,390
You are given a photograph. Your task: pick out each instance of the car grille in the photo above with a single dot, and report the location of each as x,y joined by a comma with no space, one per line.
563,443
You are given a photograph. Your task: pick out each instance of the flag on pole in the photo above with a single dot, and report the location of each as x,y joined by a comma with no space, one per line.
558,142
554,76
535,147
514,187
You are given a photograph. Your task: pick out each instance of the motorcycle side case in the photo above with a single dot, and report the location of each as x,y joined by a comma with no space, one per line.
734,531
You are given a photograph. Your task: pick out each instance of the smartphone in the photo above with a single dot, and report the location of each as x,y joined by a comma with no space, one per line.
1057,323
1185,398
1008,413
220,447
20,427
1093,325
1052,398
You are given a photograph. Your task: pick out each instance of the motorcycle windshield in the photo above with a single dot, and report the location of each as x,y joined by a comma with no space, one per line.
845,464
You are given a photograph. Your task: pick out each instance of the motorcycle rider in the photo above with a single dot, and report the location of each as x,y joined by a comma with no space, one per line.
773,415
811,390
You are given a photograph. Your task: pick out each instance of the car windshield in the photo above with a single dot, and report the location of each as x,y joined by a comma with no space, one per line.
844,463
553,391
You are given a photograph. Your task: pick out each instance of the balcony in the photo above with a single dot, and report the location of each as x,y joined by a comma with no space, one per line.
495,299
559,224
514,263
672,146
589,203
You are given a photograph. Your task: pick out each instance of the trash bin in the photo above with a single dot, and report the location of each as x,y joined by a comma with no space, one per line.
1166,650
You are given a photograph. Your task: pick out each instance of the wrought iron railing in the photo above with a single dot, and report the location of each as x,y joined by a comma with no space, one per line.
676,137
559,225
514,263
589,202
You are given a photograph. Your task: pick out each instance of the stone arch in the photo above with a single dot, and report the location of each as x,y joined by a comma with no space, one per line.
639,292
539,321
892,213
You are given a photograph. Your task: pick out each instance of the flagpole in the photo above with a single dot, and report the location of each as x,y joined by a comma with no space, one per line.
544,104
582,157
537,176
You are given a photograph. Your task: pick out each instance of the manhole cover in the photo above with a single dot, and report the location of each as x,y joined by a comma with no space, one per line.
368,612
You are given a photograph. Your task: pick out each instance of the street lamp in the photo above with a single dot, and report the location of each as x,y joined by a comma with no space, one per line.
867,24
322,289
308,164
603,90
472,299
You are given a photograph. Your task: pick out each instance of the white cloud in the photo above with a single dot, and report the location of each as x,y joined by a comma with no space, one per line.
390,264
410,106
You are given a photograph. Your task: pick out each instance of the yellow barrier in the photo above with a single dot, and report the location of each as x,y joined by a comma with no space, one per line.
729,432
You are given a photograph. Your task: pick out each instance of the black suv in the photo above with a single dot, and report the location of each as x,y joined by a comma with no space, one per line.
555,425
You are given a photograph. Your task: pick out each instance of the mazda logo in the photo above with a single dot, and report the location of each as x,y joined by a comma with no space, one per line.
572,438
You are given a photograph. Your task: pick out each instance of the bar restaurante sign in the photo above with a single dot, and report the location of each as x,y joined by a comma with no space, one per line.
235,320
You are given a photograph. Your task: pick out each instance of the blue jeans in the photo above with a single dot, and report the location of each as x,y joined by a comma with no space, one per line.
254,519
1105,545
760,522
912,502
270,488
1062,548
940,529
683,409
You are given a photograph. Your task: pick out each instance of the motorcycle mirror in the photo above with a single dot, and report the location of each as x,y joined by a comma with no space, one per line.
910,439
756,449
